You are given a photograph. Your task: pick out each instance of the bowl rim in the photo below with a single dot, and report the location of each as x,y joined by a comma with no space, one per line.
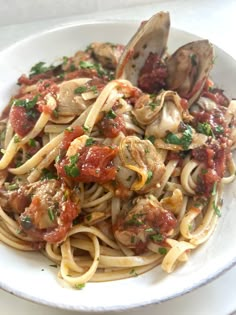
117,307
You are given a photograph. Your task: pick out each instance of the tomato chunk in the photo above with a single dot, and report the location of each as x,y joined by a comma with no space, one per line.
93,164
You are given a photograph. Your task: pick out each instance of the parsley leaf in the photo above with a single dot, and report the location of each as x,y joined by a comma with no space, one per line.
162,250
149,177
71,170
205,128
80,89
184,141
40,68
79,286
89,142
216,209
111,114
156,237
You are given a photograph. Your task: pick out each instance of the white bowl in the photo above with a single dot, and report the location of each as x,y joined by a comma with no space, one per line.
29,275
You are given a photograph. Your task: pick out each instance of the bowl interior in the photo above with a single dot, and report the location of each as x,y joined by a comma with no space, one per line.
30,275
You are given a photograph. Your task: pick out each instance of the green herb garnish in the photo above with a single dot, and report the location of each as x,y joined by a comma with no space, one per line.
71,170
153,105
133,272
86,65
47,174
149,177
80,286
111,114
162,250
151,139
29,105
89,142
32,143
205,128
40,68
16,139
51,214
156,237
219,129
80,89
216,209
149,230
184,141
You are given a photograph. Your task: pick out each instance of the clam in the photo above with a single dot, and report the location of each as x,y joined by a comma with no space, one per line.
144,62
188,69
160,113
144,162
151,37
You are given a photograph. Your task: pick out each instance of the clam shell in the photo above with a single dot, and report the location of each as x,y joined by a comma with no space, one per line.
188,69
151,36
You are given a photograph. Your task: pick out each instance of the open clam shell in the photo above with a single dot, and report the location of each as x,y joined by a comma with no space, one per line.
188,69
152,37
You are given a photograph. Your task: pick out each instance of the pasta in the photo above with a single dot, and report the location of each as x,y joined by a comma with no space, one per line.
108,178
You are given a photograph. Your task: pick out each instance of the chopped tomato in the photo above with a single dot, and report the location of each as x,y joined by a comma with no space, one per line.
70,135
94,165
21,121
110,128
153,74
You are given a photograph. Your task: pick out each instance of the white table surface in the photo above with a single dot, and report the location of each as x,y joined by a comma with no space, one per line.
212,19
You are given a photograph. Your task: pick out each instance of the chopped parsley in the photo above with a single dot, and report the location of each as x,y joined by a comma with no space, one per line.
79,286
55,113
80,89
135,220
151,139
40,67
214,189
85,128
47,174
29,105
111,114
133,272
93,89
162,250
65,60
51,214
149,177
216,209
89,142
12,187
86,65
156,237
153,105
72,67
74,159
205,128
71,170
32,143
16,139
149,230
219,129
89,217
184,141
